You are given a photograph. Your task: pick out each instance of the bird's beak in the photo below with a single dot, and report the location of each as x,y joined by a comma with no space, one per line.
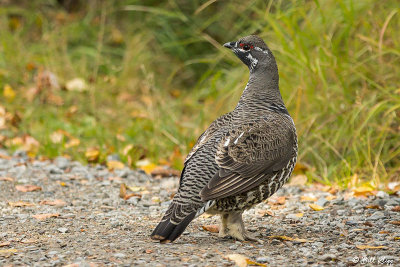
230,45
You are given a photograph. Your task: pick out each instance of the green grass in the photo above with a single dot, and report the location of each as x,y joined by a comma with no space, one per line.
157,76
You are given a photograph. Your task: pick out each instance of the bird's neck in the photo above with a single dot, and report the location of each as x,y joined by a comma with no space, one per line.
262,89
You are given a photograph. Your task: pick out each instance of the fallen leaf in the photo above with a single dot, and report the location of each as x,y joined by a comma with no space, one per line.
370,247
298,180
92,154
122,191
250,262
149,251
45,216
4,244
163,172
126,149
364,190
265,212
213,228
396,208
7,251
300,168
2,156
299,215
28,188
330,197
397,238
146,165
62,183
72,142
21,204
395,222
384,232
316,207
277,201
9,179
377,207
56,202
240,260
287,238
136,188
114,164
8,93
307,198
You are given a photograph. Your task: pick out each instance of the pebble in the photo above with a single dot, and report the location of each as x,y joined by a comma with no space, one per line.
327,257
321,201
377,215
261,260
63,230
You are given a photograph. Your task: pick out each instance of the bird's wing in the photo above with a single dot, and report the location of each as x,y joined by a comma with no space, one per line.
248,154
204,137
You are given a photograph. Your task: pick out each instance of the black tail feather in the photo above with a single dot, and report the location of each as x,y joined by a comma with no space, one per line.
167,232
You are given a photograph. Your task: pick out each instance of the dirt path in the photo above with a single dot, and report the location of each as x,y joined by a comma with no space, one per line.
92,226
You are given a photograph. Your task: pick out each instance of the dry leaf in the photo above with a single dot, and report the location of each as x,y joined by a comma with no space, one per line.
377,207
265,212
213,228
316,207
330,197
28,188
92,154
7,251
298,180
397,238
395,222
307,198
21,204
370,247
287,238
114,164
2,156
299,215
300,168
45,216
4,244
363,190
56,202
122,191
9,179
72,142
127,149
396,208
146,165
163,172
239,260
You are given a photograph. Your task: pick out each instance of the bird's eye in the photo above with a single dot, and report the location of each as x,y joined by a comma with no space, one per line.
246,47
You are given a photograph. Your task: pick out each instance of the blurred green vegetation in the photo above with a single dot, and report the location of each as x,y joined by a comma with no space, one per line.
157,76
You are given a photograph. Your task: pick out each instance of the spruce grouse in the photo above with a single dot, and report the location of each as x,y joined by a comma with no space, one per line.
243,158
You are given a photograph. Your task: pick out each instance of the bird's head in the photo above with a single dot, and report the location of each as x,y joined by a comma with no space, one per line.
252,51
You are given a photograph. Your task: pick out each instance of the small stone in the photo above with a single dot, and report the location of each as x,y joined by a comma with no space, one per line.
261,260
351,223
376,216
233,247
382,194
391,202
321,201
113,157
63,230
61,162
119,255
327,257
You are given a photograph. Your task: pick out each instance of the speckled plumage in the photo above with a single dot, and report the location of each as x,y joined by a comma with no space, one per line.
243,157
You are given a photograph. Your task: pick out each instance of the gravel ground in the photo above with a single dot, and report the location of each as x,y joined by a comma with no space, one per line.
93,226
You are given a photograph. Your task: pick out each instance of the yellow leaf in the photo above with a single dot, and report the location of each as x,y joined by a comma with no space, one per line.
92,154
299,215
6,251
146,165
397,238
72,142
370,247
20,204
56,202
114,164
8,93
63,183
307,198
315,207
287,238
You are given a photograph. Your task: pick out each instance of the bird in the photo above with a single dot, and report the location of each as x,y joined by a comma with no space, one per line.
242,158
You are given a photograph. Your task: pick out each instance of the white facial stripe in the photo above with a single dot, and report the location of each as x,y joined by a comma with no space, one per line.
259,49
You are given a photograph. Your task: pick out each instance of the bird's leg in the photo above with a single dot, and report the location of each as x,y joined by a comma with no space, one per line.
232,225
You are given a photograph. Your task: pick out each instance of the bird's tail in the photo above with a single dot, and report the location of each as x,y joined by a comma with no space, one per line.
168,229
